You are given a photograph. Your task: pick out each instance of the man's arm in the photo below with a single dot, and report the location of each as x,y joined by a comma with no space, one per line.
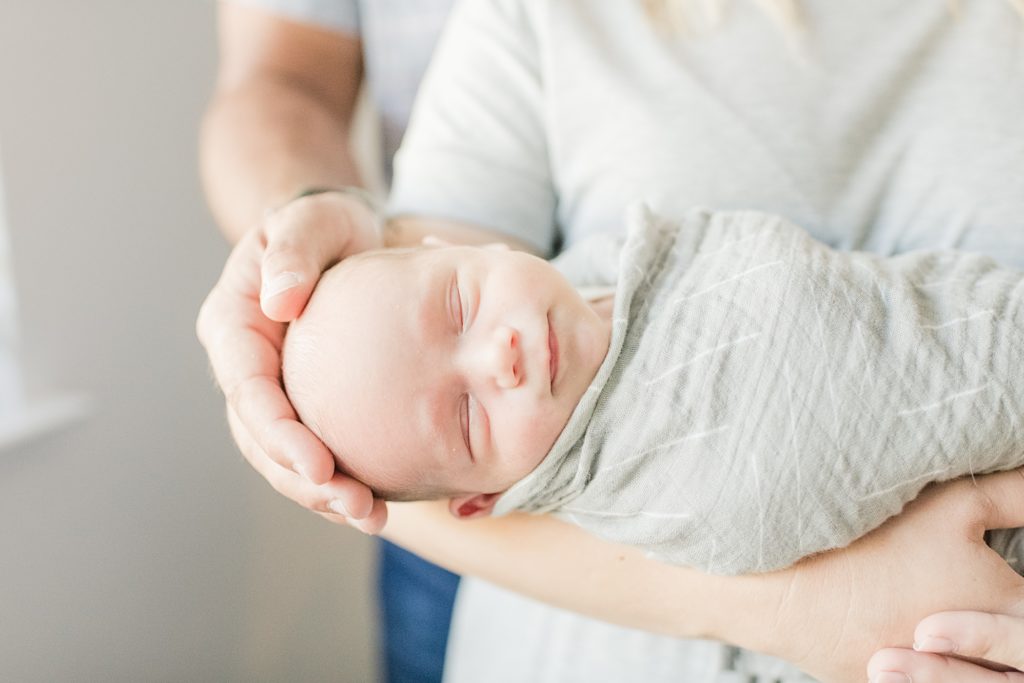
278,122
280,116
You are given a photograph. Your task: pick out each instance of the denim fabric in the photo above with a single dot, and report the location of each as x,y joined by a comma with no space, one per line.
415,599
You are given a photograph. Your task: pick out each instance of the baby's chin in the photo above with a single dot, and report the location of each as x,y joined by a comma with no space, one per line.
529,462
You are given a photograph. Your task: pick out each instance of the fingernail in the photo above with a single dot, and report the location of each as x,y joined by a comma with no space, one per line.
300,470
891,677
281,283
339,507
358,524
935,644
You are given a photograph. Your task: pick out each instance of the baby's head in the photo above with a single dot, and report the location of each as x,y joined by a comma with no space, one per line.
442,371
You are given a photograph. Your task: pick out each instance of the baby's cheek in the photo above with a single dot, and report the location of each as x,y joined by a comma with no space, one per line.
526,434
540,434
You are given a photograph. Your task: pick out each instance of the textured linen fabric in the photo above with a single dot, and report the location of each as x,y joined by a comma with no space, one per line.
765,397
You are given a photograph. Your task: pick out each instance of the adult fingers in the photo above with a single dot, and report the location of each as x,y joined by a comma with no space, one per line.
240,341
1004,497
372,524
982,635
375,521
247,365
305,237
340,520
339,494
244,352
906,666
262,407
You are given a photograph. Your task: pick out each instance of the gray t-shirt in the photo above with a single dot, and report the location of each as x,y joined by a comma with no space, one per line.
898,127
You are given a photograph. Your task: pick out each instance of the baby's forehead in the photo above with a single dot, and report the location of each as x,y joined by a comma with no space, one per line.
361,310
354,280
379,276
361,370
368,262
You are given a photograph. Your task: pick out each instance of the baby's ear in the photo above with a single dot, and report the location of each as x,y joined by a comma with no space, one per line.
473,505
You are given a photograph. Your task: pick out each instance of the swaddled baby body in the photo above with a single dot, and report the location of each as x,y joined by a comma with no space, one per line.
752,398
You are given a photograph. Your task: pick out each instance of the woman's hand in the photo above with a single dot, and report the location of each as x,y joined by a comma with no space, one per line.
266,282
943,641
832,611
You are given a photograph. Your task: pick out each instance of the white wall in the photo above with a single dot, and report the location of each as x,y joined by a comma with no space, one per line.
137,545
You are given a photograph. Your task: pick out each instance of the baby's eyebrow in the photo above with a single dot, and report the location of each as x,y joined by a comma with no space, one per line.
432,294
435,416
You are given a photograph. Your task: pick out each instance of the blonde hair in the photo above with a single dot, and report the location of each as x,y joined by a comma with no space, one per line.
690,15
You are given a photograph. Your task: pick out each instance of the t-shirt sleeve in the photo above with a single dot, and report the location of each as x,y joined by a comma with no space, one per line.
336,15
476,150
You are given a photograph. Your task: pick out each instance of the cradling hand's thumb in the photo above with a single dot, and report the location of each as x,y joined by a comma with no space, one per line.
305,237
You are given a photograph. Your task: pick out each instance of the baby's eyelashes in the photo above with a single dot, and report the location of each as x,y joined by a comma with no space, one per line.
464,419
455,304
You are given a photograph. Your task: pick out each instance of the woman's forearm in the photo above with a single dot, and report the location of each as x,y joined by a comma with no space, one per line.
560,564
827,614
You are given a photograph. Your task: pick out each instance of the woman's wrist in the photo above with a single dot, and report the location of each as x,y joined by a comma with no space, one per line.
581,573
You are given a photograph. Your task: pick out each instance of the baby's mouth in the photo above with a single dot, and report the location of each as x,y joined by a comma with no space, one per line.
552,354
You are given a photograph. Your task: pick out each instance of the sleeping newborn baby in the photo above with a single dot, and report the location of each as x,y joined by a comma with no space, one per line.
748,398
442,372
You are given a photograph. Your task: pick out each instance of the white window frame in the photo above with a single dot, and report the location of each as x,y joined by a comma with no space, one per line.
21,419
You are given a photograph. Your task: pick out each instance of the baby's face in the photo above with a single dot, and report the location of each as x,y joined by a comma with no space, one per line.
448,367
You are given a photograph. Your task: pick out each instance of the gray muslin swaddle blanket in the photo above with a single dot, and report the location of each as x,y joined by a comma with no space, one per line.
765,397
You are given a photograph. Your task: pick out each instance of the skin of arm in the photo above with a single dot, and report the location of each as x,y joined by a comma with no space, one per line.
280,116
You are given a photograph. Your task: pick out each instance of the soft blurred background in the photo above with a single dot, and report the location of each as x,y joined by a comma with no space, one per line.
135,543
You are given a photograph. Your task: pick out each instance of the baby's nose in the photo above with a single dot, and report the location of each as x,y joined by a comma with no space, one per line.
505,358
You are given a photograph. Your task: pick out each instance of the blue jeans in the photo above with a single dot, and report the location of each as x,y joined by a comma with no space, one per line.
415,600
